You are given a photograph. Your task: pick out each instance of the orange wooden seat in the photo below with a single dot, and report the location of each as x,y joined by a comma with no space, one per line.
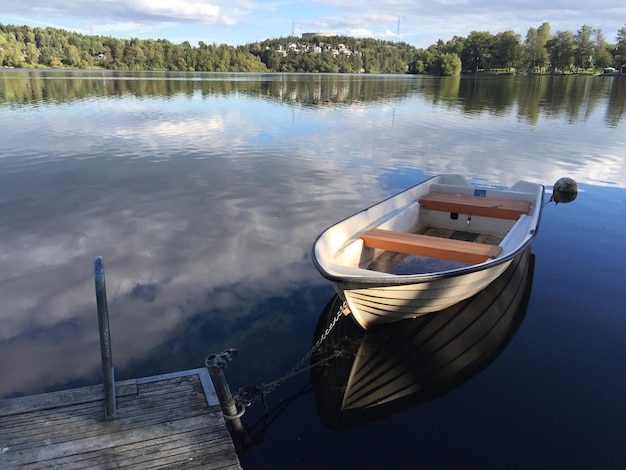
434,247
475,205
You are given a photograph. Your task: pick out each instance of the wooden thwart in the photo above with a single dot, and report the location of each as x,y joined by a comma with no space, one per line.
434,247
475,205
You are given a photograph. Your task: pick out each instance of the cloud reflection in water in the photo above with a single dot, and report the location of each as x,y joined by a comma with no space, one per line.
205,204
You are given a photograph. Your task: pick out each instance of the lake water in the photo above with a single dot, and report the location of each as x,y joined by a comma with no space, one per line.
204,193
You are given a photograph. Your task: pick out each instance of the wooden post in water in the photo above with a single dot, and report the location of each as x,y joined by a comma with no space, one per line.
110,410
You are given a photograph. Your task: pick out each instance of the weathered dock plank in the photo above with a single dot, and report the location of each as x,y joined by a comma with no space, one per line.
166,421
16,406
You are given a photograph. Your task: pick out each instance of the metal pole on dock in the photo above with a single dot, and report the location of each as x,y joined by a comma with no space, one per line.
110,411
216,363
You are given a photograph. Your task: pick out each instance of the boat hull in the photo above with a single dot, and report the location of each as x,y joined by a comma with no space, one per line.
384,304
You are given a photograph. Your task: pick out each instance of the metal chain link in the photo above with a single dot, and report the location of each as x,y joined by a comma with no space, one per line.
264,389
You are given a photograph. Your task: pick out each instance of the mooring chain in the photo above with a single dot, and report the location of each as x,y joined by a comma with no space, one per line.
264,389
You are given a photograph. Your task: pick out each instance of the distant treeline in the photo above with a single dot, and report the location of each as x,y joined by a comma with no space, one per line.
539,52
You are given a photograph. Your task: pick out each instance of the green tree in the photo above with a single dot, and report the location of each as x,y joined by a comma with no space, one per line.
270,58
87,60
562,49
31,53
506,50
188,63
71,56
134,57
357,62
447,65
108,56
584,54
153,53
535,52
56,63
43,43
10,50
203,58
453,46
29,35
601,50
117,49
417,66
620,50
476,52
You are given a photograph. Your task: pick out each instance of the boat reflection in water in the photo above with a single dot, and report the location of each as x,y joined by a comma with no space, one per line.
400,365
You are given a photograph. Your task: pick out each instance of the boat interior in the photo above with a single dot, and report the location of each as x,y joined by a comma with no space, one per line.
444,227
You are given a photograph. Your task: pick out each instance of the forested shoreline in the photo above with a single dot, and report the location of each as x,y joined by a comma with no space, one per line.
586,51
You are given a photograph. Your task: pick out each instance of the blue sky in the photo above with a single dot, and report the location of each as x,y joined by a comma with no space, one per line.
236,22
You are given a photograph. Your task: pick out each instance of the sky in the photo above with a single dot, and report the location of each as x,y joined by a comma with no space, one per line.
238,22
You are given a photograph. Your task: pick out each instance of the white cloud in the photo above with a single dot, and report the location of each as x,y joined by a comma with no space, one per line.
361,33
203,12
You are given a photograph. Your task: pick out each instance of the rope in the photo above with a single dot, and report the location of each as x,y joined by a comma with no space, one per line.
262,390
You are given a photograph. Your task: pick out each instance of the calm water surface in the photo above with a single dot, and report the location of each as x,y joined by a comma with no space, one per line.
204,193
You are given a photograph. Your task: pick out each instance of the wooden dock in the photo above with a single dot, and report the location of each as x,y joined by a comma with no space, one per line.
166,421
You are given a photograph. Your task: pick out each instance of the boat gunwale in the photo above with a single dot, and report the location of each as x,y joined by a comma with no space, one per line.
407,279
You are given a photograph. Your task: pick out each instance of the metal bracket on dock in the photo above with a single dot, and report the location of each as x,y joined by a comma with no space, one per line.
220,360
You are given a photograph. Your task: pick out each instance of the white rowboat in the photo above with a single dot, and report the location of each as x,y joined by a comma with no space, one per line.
427,248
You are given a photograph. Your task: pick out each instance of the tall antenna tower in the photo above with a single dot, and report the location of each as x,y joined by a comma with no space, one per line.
398,31
293,27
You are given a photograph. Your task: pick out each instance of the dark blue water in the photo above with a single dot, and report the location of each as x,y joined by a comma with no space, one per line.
204,193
